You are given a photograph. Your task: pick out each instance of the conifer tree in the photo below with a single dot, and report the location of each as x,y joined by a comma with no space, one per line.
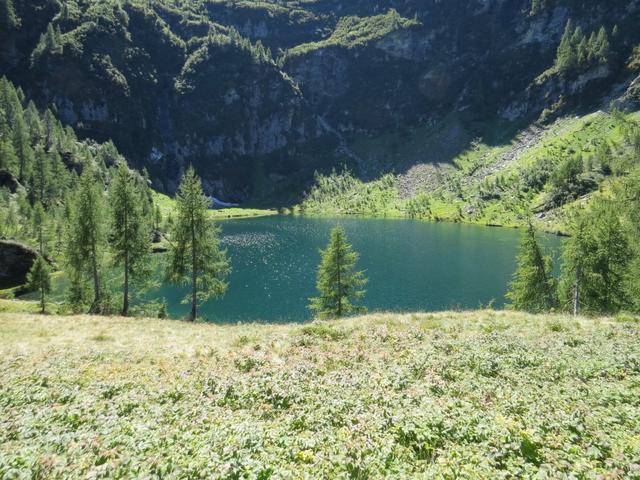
8,159
338,284
8,18
41,177
22,147
32,119
602,46
565,57
39,279
195,257
39,276
130,230
86,235
532,289
39,225
51,130
596,262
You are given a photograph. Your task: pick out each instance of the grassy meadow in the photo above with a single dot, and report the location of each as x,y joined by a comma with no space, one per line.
453,395
167,206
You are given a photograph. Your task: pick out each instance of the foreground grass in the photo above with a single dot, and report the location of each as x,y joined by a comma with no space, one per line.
452,395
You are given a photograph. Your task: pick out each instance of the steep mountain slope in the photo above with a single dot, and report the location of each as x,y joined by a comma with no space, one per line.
260,94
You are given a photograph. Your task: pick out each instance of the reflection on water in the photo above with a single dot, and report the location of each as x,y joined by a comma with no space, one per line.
411,266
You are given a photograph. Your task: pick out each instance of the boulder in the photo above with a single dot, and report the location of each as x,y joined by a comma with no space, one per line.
7,180
16,260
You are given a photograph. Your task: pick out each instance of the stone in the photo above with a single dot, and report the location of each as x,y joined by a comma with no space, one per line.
7,180
16,260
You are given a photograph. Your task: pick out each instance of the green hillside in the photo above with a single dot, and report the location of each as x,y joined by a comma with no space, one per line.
496,184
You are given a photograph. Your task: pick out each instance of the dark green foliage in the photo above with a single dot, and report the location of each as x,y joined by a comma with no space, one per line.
338,284
532,289
8,18
195,257
39,279
577,53
86,238
22,147
569,181
41,177
630,198
8,159
596,262
130,231
50,43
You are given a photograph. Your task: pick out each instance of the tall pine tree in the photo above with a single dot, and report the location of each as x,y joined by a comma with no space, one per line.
596,262
195,257
338,284
8,18
86,236
130,230
532,289
39,277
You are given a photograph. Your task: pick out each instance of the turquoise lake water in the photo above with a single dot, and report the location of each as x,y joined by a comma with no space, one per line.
411,266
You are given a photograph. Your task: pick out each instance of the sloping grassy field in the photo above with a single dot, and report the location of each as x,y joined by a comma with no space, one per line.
452,395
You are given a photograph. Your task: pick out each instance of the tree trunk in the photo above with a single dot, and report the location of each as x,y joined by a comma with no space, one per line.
339,286
125,301
95,307
194,285
42,304
125,293
576,292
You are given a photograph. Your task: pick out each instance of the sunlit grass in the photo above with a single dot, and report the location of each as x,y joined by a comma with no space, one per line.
468,395
167,208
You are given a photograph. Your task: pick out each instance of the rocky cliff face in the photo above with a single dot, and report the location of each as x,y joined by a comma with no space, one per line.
197,85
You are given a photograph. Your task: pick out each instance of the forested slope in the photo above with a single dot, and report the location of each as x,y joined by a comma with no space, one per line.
260,95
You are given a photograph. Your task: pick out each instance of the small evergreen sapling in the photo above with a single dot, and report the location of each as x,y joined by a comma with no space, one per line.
339,285
39,279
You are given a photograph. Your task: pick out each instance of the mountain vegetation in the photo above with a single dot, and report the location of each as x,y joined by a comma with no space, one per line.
122,122
286,88
466,395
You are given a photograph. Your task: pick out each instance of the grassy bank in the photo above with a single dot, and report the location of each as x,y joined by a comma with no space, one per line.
167,207
452,395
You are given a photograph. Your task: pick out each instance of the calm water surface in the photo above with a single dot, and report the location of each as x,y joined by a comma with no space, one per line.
411,266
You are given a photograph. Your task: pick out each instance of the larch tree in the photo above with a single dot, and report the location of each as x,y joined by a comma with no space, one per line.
86,236
130,231
39,276
195,256
532,289
39,280
596,263
339,285
8,18
22,147
41,176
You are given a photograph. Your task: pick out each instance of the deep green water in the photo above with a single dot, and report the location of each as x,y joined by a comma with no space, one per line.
411,266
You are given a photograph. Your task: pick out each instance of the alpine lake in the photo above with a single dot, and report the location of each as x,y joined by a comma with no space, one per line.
411,266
